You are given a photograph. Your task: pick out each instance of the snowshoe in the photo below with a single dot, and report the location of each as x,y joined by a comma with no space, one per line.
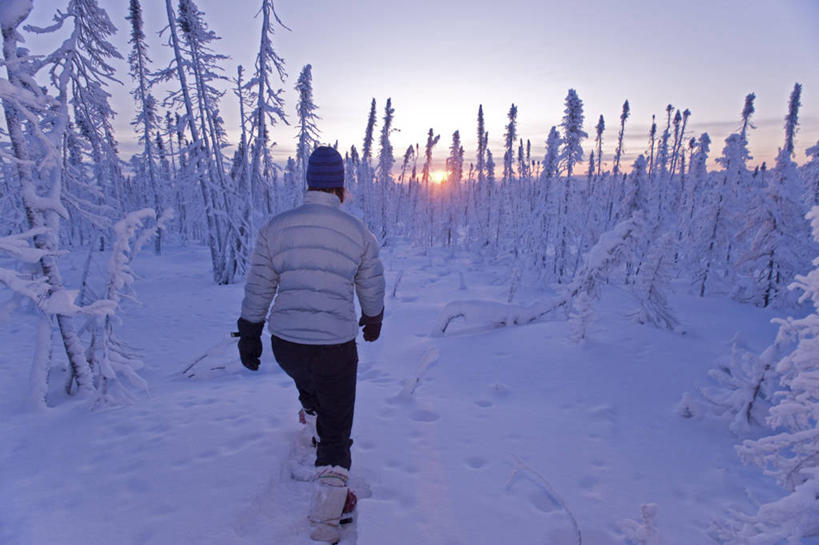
332,496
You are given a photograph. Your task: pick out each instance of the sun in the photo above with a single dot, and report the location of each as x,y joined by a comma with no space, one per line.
437,176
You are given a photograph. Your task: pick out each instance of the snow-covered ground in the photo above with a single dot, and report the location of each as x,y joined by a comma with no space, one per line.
481,436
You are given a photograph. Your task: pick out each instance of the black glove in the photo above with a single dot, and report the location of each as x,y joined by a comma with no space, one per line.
372,326
250,343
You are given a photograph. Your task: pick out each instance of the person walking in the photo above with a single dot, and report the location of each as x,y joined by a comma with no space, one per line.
312,260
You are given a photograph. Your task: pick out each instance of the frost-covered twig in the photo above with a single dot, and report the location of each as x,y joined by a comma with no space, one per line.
643,532
397,283
521,468
429,357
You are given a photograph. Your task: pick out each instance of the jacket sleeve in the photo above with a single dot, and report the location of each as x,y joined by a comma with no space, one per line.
262,281
369,280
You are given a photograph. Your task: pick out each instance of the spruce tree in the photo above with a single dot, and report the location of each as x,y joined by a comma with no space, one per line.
367,149
480,163
619,152
307,137
598,140
573,133
510,135
146,118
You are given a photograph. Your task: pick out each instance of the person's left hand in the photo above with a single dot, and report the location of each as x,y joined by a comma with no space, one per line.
372,326
250,343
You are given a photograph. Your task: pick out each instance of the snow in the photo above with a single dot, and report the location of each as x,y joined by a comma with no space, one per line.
13,12
509,435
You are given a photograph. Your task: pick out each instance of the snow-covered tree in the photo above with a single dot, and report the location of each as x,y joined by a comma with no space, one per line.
386,158
618,153
811,176
740,388
792,119
551,161
409,156
307,137
652,140
146,118
680,123
598,141
573,134
455,161
791,453
779,241
200,164
651,284
85,62
38,128
268,110
480,163
490,166
432,139
662,148
643,532
510,136
748,110
366,150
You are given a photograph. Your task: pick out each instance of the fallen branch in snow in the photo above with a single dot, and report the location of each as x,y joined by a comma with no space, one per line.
218,347
495,315
430,356
608,254
522,468
397,282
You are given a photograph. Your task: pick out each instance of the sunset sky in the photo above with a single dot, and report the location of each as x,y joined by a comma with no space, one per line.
439,60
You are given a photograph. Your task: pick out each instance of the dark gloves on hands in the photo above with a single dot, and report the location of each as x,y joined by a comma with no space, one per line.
372,326
250,343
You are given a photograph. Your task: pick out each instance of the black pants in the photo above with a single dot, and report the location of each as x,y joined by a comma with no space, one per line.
325,376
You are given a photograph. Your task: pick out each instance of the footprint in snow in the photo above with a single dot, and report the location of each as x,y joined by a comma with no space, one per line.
423,415
483,403
500,390
588,482
475,462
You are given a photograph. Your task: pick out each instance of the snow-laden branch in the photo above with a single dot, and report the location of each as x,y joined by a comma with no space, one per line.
33,288
600,260
17,246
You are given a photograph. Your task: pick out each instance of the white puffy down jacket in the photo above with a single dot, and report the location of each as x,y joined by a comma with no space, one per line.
314,256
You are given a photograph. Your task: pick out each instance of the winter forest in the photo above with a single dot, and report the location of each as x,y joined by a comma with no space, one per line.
691,220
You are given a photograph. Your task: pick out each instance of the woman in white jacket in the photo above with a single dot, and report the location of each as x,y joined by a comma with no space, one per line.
313,259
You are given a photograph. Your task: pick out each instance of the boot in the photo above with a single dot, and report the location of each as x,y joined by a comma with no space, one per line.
348,512
308,418
328,503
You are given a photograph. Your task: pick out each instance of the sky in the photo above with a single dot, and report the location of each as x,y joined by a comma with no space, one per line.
438,61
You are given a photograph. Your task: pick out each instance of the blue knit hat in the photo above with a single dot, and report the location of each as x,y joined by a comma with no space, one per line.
325,169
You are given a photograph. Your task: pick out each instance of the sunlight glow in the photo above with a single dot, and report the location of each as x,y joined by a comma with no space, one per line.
437,176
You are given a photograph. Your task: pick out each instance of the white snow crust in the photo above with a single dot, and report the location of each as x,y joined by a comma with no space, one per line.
509,435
